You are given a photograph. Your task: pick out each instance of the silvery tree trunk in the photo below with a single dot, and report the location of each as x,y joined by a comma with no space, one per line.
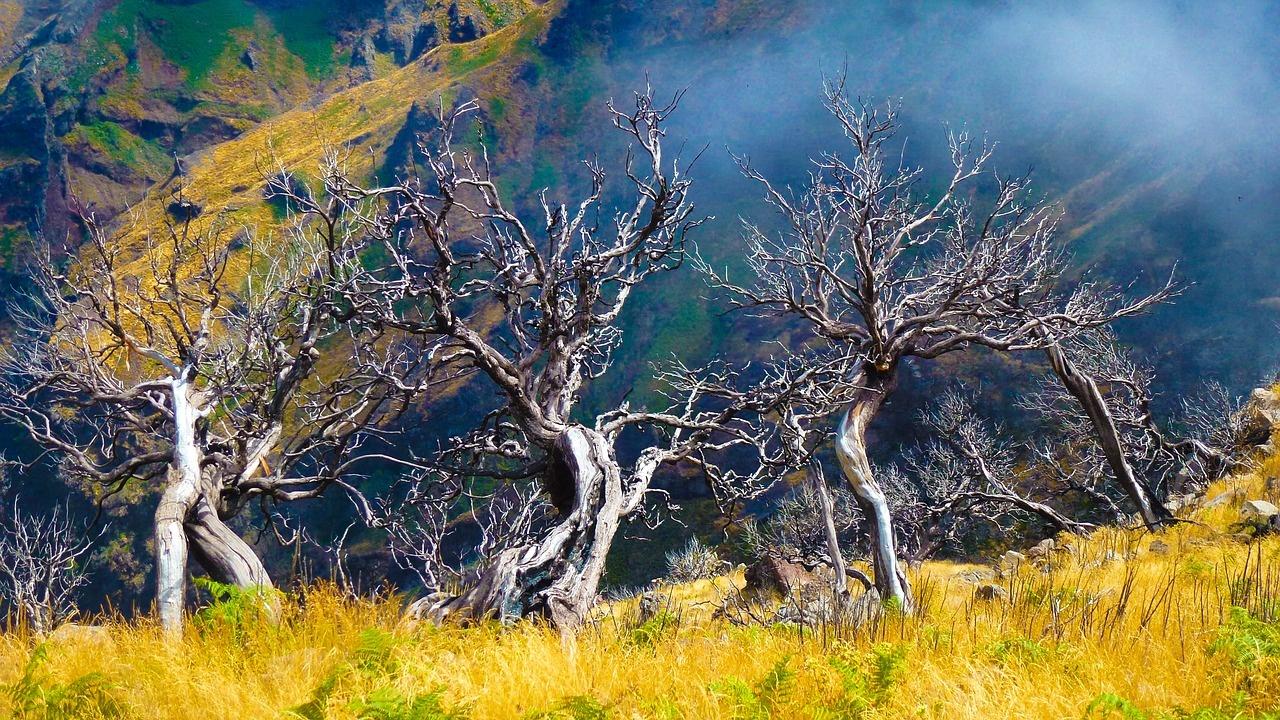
182,491
1083,388
874,386
839,583
558,576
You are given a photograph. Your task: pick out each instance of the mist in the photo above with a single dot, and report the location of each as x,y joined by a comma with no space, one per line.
1150,124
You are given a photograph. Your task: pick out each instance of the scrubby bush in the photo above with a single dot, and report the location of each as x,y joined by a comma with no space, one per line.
694,561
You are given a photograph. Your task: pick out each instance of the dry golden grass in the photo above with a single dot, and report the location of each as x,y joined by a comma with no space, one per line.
1132,632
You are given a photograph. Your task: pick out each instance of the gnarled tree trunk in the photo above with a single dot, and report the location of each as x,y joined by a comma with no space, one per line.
1083,388
558,576
223,554
851,449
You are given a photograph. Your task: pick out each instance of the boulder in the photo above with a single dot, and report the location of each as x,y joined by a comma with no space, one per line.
652,603
1258,512
775,576
1159,547
1010,562
1262,414
990,592
975,577
816,606
75,634
1041,551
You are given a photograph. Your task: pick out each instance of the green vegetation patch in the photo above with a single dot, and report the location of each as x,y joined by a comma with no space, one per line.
190,34
307,29
11,238
113,141
194,35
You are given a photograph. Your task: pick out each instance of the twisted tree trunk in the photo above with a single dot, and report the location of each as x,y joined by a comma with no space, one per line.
851,450
557,577
223,554
1085,390
186,522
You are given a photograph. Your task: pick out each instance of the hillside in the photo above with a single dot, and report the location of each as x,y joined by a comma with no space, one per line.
1121,624
102,100
124,104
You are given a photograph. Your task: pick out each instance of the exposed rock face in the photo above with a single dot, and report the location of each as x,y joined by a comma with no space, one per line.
426,39
462,26
1262,414
773,576
363,55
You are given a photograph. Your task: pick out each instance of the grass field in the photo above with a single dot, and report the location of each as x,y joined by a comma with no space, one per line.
1116,627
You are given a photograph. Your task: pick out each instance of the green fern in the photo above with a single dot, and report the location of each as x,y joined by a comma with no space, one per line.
232,606
1246,640
757,702
34,696
575,707
389,704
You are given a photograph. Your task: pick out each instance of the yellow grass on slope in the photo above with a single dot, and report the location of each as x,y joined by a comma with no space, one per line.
226,181
1116,628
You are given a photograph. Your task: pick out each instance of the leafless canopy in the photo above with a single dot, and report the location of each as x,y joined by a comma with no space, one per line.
871,264
188,363
533,308
968,477
868,262
1203,440
42,566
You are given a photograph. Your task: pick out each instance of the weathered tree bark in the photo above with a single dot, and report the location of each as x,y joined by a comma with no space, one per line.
1083,388
559,576
181,493
839,583
1046,513
851,449
223,554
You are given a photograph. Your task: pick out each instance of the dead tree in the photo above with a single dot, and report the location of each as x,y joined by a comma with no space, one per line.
966,476
42,566
187,364
532,309
869,264
1099,401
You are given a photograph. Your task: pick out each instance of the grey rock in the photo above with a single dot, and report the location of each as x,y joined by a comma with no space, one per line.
1041,551
774,576
975,577
82,636
652,603
1010,563
990,592
1258,512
